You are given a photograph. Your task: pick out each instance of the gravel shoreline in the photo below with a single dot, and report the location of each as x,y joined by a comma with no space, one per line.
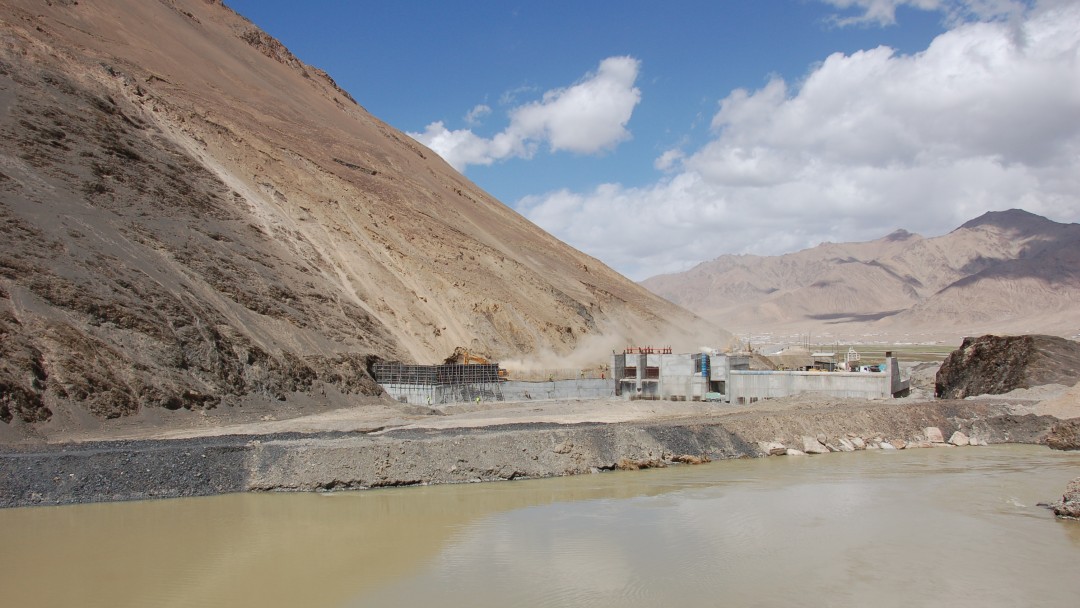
97,471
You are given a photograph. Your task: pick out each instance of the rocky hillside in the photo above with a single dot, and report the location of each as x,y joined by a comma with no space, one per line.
1009,271
191,216
993,365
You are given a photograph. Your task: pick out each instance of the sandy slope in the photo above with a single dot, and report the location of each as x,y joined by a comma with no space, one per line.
1064,406
195,218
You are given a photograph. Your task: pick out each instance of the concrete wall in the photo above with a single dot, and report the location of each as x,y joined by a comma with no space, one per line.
586,388
749,386
683,386
899,388
718,367
677,377
416,394
680,376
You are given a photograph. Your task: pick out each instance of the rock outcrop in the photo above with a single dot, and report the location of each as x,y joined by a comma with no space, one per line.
998,364
1069,505
1065,435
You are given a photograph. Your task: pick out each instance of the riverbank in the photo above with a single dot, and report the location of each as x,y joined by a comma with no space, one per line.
353,449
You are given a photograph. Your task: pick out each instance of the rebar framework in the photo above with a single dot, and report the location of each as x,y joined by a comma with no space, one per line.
447,383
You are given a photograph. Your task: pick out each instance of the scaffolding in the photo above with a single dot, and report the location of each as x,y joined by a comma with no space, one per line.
646,350
437,384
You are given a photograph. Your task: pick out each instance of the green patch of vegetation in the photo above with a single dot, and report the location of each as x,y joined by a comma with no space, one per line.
870,354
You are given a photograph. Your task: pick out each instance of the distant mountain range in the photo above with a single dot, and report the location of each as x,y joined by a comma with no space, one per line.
1002,272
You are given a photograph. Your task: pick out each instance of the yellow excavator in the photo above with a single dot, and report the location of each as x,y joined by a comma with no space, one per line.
461,356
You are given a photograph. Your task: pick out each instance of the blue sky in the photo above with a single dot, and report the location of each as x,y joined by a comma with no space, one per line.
655,136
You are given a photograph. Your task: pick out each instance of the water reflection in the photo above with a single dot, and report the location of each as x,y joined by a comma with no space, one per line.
960,525
257,549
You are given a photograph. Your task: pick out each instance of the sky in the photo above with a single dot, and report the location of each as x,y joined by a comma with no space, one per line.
655,136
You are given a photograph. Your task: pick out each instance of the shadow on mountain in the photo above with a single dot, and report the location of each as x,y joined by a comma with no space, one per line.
851,317
1056,263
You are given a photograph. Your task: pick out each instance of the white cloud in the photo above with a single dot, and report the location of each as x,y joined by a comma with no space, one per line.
510,97
986,118
585,118
669,160
883,12
474,115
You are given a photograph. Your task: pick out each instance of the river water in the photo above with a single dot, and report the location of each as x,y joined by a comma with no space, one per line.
930,527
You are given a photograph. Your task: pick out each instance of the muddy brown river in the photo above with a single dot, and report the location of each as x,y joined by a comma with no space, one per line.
931,527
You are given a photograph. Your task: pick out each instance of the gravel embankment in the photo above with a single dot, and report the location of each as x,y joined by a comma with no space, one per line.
139,469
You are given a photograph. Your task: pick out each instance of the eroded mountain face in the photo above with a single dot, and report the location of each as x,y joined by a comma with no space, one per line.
134,276
1004,272
191,216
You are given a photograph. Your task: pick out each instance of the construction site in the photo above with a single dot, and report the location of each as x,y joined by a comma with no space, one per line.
643,373
648,373
464,377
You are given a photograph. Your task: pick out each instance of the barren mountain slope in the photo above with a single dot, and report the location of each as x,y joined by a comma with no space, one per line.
1038,291
753,288
1009,271
192,216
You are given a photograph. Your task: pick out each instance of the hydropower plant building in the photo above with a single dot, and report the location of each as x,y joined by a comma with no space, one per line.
645,373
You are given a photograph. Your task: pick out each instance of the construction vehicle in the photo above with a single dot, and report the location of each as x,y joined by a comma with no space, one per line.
461,356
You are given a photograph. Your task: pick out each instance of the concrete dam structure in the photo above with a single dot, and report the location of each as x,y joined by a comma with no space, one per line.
645,373
638,373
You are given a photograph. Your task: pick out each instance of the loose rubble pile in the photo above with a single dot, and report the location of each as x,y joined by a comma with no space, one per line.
822,444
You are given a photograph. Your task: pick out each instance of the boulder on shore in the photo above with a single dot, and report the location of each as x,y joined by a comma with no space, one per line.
933,434
811,445
772,448
959,439
1069,505
1065,435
